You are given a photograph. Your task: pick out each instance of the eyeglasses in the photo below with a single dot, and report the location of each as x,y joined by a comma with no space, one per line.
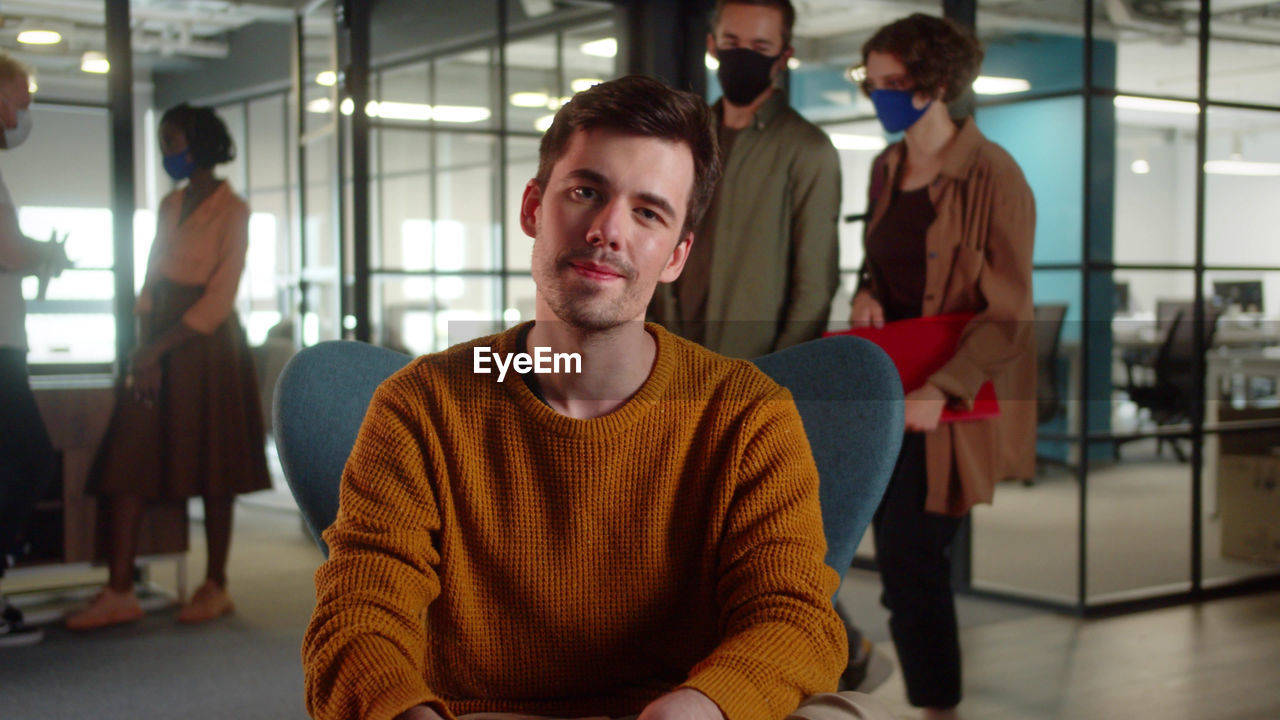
857,74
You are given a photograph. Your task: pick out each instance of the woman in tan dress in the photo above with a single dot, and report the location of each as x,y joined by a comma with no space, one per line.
187,422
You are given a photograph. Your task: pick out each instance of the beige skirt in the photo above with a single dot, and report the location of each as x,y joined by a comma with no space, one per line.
204,434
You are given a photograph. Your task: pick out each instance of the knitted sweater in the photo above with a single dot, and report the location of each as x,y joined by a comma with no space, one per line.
492,555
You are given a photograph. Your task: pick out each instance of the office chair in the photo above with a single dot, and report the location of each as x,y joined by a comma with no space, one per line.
846,390
1048,333
1172,398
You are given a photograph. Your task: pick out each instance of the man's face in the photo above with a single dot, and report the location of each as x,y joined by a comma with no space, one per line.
750,26
607,227
15,95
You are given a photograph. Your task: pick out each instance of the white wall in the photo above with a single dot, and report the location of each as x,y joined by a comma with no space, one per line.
1155,216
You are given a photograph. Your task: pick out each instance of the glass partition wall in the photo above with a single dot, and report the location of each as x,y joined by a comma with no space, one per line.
1152,144
453,141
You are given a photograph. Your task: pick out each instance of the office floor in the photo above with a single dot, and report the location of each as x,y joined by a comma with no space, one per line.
1214,661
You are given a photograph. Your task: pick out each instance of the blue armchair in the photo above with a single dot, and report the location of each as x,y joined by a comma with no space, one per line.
846,389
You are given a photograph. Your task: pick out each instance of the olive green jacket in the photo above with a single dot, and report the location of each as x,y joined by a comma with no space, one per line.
771,232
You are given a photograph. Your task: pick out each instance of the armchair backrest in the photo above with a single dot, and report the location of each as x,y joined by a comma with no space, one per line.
846,389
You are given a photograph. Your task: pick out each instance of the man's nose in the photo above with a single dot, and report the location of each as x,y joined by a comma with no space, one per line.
607,226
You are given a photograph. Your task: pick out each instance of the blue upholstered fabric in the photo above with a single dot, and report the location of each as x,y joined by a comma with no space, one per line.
850,400
320,402
845,388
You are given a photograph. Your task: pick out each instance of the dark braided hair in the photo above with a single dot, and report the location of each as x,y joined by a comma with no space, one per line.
207,138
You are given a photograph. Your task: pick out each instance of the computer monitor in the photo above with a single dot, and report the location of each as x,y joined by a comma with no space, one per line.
1121,298
1247,294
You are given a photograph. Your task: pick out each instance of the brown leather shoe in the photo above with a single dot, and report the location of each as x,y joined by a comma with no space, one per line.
107,608
211,601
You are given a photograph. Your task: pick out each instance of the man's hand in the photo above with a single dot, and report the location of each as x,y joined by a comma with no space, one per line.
419,712
924,407
682,704
56,254
53,260
866,311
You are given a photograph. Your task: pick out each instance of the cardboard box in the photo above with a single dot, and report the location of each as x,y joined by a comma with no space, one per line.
1249,506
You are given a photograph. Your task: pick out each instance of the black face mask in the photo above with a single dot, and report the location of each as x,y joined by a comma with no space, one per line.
744,74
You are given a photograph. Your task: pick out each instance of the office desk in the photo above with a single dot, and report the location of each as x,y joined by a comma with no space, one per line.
1225,368
1139,332
64,527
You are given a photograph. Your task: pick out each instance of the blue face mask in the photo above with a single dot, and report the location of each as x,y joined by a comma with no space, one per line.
895,110
179,165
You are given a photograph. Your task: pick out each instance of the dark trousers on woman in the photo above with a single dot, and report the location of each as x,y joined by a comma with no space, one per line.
27,459
913,551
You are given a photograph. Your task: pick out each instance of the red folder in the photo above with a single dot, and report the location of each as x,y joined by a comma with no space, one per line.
919,347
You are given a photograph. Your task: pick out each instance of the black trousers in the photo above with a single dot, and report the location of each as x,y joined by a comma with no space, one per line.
913,550
27,459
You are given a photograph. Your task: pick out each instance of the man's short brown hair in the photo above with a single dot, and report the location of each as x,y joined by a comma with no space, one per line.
784,6
937,53
639,105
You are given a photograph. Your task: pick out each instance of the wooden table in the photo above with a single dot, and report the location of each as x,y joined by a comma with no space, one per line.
64,528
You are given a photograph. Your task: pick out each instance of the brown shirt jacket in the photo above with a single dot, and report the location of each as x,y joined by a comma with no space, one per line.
977,259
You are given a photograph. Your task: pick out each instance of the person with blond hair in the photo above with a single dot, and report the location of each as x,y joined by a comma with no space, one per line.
27,462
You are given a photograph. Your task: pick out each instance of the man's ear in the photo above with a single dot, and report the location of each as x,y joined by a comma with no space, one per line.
711,45
530,204
780,65
675,264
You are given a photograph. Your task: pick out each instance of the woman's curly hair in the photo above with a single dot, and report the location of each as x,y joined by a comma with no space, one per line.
207,137
937,52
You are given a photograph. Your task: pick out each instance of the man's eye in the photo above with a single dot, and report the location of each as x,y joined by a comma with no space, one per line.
584,193
648,214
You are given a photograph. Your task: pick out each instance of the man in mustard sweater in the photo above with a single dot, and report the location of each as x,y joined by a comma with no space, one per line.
634,533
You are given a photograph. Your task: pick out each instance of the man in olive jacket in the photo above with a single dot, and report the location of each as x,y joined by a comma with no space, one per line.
764,263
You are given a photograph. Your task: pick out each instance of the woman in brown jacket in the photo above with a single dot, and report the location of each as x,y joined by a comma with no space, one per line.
950,230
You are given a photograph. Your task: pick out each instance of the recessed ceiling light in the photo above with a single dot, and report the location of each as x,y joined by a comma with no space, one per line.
793,63
1242,167
604,47
95,62
583,84
1175,107
1140,167
543,123
459,113
327,78
991,85
399,111
711,63
40,37
529,99
844,141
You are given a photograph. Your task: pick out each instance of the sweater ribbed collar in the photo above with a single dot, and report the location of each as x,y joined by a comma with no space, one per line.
645,401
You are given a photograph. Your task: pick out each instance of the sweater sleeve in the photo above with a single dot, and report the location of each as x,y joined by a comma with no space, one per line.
218,300
363,651
782,640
